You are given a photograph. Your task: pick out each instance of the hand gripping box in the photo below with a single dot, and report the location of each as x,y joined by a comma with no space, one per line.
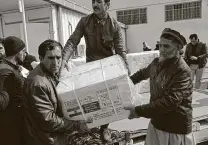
98,90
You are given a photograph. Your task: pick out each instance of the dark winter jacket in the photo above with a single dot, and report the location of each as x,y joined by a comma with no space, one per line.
170,107
11,108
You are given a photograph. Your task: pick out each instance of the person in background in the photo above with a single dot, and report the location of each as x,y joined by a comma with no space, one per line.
11,88
171,88
103,39
157,45
196,57
45,124
2,51
146,47
29,59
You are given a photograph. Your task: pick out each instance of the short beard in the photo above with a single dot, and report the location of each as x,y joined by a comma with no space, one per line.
18,61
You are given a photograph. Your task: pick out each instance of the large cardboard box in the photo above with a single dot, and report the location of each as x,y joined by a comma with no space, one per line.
98,90
138,61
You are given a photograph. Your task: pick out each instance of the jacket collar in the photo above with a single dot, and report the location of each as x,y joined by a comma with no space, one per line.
98,20
16,67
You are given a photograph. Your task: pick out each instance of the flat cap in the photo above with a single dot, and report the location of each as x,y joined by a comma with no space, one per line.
175,34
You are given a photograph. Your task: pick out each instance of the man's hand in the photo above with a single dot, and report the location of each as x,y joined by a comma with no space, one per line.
131,108
193,57
83,124
66,65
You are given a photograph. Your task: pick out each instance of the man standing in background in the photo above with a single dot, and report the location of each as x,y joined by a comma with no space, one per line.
196,56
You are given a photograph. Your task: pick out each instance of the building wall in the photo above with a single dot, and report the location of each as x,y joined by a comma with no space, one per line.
35,15
38,26
150,32
70,21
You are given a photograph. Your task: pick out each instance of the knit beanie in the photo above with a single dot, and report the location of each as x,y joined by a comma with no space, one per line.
13,45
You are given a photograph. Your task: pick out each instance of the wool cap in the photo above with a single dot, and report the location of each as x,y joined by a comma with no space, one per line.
13,45
175,34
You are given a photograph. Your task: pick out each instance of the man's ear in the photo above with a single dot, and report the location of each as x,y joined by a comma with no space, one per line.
180,47
107,5
41,58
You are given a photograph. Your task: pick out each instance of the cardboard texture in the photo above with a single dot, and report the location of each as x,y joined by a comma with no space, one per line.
98,90
138,61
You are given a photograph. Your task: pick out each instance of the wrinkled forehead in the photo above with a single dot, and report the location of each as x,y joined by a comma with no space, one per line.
165,41
56,51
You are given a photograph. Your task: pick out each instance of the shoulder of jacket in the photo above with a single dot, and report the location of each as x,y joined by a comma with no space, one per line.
182,66
6,69
188,45
37,76
85,19
114,22
202,44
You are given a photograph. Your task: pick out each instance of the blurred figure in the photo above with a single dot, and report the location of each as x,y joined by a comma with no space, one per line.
11,87
196,57
2,51
29,59
157,45
146,47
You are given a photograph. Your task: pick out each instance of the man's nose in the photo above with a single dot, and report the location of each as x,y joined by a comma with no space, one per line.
55,61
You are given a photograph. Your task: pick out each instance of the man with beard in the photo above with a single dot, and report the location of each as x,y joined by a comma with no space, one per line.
103,38
170,107
11,85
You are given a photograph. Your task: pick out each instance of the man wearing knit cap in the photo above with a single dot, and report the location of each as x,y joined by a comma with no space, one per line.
170,106
11,84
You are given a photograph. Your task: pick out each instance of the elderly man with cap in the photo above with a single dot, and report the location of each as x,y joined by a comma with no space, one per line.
170,106
11,84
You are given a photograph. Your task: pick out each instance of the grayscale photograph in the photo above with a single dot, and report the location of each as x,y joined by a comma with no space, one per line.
103,72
